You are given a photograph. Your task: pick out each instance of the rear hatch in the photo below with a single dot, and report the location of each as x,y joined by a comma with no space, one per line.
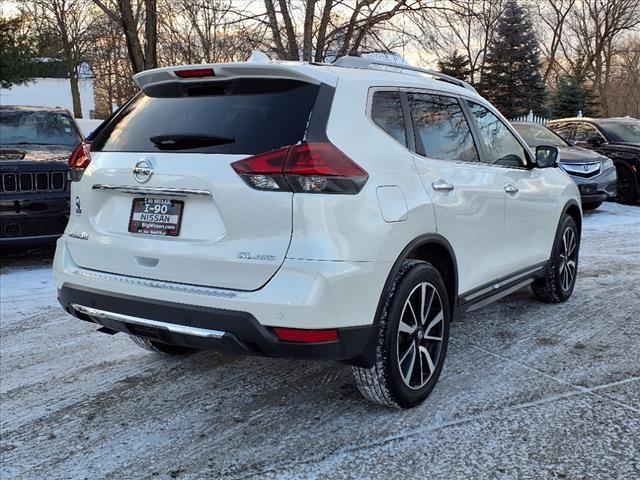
160,199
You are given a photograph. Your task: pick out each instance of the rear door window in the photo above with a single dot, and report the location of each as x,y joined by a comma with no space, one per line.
442,131
244,116
386,112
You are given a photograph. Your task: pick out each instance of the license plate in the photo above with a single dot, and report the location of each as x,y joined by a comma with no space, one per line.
156,216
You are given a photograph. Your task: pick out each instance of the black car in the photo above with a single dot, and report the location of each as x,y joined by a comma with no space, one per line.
35,144
617,138
594,174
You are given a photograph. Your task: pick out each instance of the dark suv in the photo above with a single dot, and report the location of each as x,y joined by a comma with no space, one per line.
35,144
617,138
594,174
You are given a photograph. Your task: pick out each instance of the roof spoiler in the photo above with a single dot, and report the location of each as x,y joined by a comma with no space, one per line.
153,81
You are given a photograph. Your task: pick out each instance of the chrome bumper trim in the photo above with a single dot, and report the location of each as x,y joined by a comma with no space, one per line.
167,192
171,327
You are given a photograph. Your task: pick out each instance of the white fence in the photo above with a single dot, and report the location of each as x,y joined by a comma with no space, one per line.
531,118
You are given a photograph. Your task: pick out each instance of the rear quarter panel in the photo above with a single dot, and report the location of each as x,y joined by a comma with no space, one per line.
353,227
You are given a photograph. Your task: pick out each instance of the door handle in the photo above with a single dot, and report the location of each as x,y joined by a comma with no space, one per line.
509,188
442,186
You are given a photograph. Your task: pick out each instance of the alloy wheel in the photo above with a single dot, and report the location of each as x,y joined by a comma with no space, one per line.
568,259
420,335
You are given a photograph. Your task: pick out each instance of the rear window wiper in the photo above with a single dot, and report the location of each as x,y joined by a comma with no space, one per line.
187,141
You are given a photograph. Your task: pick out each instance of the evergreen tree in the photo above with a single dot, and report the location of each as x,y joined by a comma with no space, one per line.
455,65
511,79
572,95
16,54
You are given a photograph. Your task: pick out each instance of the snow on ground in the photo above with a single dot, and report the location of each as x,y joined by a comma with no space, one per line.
529,390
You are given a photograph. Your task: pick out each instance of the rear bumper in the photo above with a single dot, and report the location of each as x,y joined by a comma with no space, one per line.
303,294
208,328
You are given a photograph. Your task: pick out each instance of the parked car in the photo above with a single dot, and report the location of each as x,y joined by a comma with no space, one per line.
35,144
594,174
336,212
617,138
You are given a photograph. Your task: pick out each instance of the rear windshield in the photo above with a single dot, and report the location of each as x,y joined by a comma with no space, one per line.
20,126
244,116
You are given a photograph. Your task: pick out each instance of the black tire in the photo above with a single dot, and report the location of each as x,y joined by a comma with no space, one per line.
554,287
591,205
163,348
627,184
389,381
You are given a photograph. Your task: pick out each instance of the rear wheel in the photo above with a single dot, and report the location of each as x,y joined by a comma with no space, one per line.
560,278
412,339
591,205
158,347
627,184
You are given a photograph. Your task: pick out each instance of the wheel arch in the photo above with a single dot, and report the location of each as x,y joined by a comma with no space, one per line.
436,250
630,163
573,210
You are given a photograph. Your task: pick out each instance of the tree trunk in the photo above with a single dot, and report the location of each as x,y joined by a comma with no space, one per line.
322,30
136,54
275,29
151,35
307,45
75,94
292,43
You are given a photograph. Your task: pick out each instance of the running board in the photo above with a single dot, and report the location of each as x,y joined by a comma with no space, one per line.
498,295
489,293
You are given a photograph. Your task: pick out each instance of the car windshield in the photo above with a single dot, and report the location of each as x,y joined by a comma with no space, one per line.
536,135
31,127
624,132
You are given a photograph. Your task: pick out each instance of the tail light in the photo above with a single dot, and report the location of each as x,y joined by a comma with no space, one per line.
299,335
315,167
81,156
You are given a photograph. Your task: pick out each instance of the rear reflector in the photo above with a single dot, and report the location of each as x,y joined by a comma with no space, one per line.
81,156
306,336
314,167
195,73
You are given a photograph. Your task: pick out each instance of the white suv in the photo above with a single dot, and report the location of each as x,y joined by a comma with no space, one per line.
343,212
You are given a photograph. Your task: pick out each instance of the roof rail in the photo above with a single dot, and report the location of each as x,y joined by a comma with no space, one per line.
361,62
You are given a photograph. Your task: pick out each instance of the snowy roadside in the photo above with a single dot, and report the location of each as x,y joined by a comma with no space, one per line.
529,390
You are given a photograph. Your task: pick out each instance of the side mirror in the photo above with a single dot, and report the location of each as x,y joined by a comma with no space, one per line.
547,156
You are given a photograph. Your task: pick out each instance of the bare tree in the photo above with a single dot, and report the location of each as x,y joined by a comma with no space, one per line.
553,16
71,22
113,85
623,95
596,27
321,29
467,26
129,17
208,31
